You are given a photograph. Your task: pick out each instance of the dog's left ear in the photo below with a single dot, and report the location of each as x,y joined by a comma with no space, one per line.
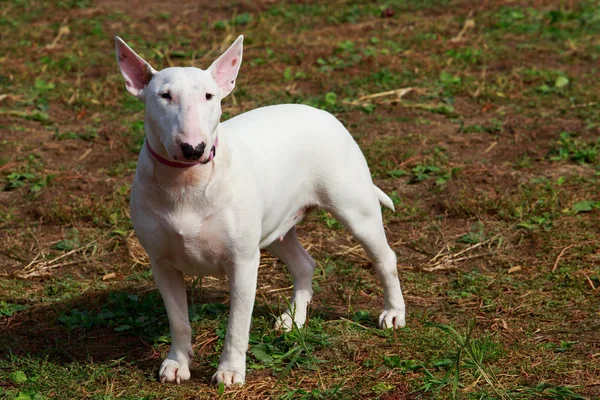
136,71
225,69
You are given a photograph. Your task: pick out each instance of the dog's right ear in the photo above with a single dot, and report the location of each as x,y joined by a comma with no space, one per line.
225,69
136,71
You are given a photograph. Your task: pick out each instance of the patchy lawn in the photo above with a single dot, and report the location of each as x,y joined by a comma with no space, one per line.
480,119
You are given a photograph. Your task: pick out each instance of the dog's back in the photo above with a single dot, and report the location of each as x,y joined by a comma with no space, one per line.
312,142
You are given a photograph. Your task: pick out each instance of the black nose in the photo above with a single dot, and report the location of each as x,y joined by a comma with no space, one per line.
192,153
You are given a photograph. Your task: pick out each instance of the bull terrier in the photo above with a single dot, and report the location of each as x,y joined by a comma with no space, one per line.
208,196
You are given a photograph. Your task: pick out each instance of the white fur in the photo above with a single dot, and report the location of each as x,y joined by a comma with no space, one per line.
212,219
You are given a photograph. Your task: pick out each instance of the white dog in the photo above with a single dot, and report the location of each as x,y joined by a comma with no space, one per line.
207,196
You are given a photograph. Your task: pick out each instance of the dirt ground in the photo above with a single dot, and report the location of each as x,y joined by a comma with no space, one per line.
480,119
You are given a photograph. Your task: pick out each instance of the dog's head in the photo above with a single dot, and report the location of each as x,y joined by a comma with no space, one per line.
183,105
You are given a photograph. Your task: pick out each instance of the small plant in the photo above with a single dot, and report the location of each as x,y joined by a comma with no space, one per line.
87,135
70,242
424,172
476,234
585,206
16,180
545,222
547,391
198,312
329,220
495,126
568,147
558,85
122,168
237,20
9,309
547,81
397,173
290,75
470,354
447,79
35,182
329,102
345,55
559,348
405,366
467,55
292,349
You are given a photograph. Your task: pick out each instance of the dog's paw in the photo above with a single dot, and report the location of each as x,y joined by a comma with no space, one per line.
286,323
173,371
392,319
228,377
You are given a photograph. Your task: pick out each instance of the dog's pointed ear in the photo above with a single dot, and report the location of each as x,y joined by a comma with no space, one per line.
225,69
136,71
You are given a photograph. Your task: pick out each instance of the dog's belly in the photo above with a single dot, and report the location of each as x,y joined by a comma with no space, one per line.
283,227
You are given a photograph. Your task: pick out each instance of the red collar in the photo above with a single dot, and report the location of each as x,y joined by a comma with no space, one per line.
177,164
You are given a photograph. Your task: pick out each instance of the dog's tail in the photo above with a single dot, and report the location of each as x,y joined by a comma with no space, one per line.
384,198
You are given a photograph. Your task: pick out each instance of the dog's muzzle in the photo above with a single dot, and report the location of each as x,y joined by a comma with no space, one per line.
178,164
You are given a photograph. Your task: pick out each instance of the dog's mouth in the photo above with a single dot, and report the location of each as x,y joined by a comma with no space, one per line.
211,155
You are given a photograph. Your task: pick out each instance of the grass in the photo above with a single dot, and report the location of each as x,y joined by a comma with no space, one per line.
490,155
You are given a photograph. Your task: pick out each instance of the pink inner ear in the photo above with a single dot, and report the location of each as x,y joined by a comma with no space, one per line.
136,72
226,69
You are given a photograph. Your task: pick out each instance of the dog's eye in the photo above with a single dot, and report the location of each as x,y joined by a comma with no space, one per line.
166,95
209,96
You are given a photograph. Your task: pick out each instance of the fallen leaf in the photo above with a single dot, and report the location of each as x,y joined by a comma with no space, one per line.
561,81
111,275
514,269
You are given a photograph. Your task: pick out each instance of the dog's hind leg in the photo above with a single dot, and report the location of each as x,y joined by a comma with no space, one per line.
302,266
360,212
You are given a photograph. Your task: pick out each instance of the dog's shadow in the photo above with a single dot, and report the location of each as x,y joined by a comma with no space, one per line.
96,327
110,325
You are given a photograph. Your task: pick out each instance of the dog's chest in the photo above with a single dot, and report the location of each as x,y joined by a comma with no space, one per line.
193,242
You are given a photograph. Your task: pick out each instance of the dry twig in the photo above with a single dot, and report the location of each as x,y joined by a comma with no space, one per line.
398,92
39,266
62,31
560,255
448,260
469,24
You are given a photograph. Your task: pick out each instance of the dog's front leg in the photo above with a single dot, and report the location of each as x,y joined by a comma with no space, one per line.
242,287
175,368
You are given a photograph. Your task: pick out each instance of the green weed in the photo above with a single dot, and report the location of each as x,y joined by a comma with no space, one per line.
470,354
88,135
547,391
569,147
70,242
328,219
519,74
237,20
9,309
476,234
467,55
34,182
495,126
